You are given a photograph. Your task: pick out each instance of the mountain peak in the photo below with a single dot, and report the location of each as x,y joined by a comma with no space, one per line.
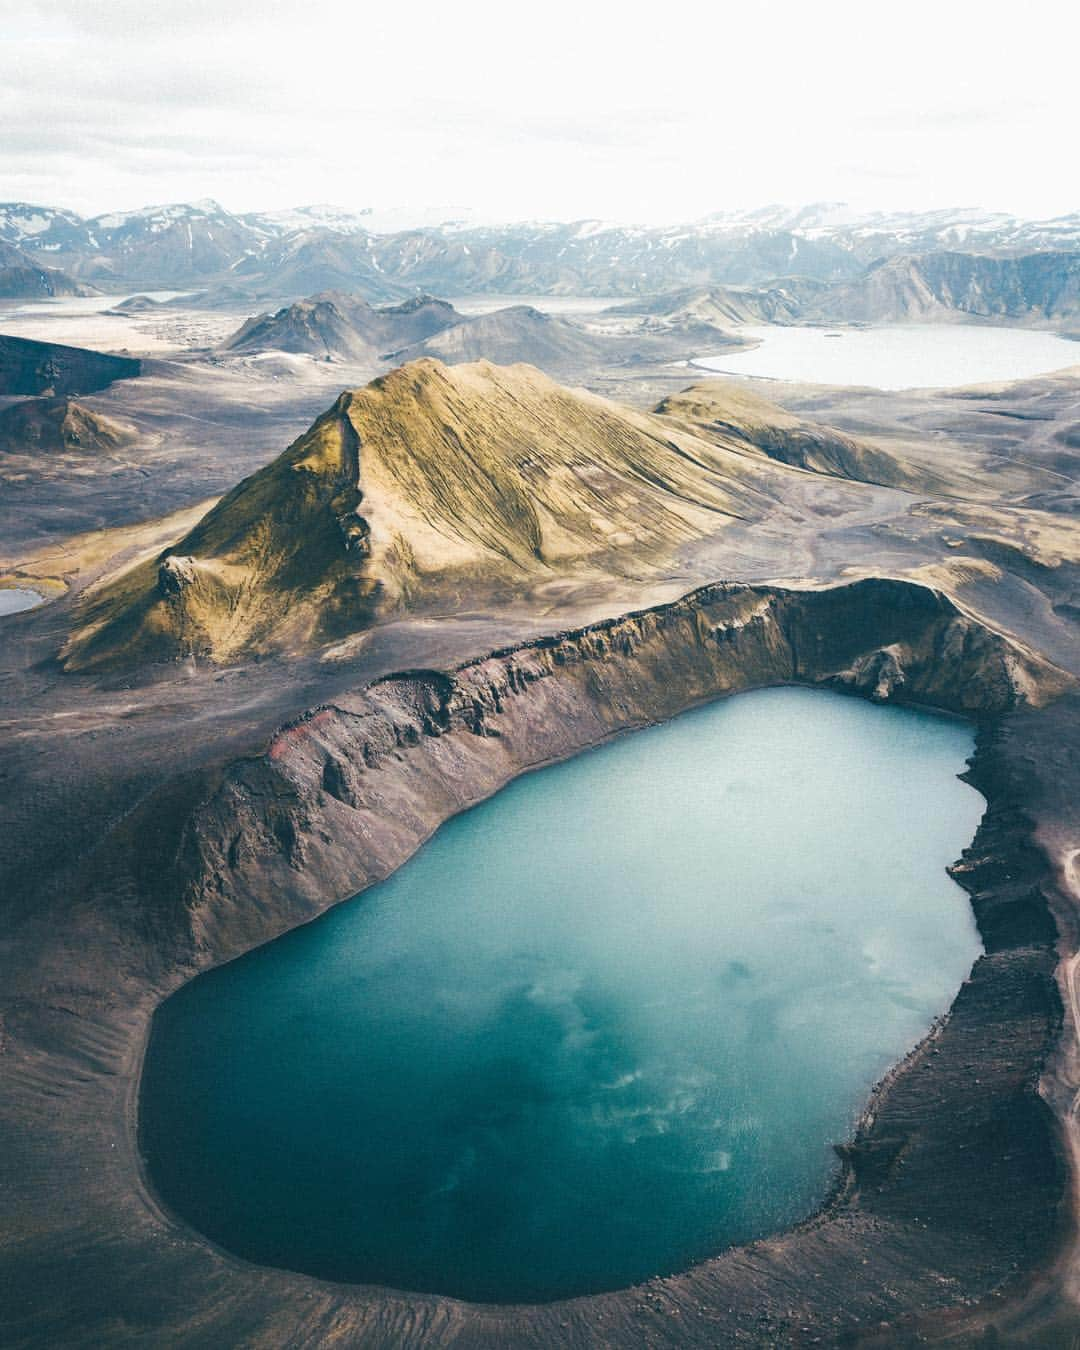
340,325
428,484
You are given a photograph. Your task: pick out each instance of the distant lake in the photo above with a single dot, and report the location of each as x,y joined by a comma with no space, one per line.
905,356
73,306
13,600
570,305
601,1026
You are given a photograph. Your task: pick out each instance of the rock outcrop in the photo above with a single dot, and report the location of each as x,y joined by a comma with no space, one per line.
887,640
1040,290
60,426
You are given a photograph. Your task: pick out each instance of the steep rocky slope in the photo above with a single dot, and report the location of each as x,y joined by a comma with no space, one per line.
23,278
1039,290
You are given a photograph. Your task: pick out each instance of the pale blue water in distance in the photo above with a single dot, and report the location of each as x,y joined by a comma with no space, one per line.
904,356
602,1025
14,599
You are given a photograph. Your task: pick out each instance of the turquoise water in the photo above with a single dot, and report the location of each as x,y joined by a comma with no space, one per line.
605,1024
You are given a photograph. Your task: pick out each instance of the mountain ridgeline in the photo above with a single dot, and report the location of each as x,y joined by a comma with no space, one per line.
563,348
431,486
306,251
1039,290
22,277
346,327
336,326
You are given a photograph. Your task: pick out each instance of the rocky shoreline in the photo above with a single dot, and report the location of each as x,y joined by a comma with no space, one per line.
956,1188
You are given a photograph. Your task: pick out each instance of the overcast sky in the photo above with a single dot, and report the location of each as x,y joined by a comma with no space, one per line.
562,109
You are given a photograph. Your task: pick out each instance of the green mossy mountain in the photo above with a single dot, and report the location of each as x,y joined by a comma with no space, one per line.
437,482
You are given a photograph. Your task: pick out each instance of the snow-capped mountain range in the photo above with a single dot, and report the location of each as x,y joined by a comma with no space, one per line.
386,254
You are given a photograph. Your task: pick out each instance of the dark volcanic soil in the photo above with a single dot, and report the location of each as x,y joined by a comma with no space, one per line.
157,823
28,367
203,865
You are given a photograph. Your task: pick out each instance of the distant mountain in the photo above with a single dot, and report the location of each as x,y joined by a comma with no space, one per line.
589,257
871,235
320,248
281,254
156,247
1037,290
44,229
300,219
370,220
22,278
719,307
518,334
322,326
317,260
176,245
335,325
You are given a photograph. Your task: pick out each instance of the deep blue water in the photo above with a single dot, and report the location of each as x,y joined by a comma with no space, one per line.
607,1023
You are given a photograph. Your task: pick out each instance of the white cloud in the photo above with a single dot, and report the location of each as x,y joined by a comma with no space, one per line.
562,110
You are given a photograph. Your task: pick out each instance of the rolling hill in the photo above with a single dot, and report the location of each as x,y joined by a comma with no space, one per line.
60,425
717,308
719,408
